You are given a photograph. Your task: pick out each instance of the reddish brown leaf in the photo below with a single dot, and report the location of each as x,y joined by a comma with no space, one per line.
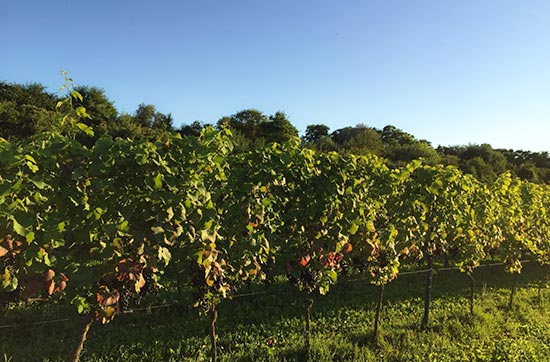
105,297
49,274
50,286
348,248
8,241
304,260
61,286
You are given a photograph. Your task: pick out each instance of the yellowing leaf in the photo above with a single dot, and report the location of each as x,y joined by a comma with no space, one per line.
164,255
158,181
139,283
353,228
370,227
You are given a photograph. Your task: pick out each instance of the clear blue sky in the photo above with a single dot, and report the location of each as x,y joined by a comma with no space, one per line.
449,71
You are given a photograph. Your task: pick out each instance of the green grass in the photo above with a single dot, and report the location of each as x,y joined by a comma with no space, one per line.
270,327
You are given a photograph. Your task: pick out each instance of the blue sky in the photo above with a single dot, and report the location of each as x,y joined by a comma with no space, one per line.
449,71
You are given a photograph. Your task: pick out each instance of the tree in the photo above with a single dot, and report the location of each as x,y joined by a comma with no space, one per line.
527,171
392,135
25,110
126,127
163,122
400,154
246,122
482,161
358,140
401,147
30,93
479,168
325,144
194,129
278,129
315,132
251,127
145,115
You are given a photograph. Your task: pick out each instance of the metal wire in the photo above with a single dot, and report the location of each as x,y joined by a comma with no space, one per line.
242,295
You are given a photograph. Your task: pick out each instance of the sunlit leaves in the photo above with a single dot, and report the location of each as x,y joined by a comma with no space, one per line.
191,208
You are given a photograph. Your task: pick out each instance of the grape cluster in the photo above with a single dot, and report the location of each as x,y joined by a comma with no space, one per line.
127,295
291,278
268,272
344,267
219,282
307,278
9,263
151,286
199,287
12,297
124,299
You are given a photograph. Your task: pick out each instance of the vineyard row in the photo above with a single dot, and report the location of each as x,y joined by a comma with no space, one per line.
100,226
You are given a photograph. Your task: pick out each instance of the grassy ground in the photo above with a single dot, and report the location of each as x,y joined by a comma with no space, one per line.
270,327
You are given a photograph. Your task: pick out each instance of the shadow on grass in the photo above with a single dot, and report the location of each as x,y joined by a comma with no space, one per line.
281,307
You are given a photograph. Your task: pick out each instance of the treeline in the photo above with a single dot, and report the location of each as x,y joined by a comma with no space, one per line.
28,109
